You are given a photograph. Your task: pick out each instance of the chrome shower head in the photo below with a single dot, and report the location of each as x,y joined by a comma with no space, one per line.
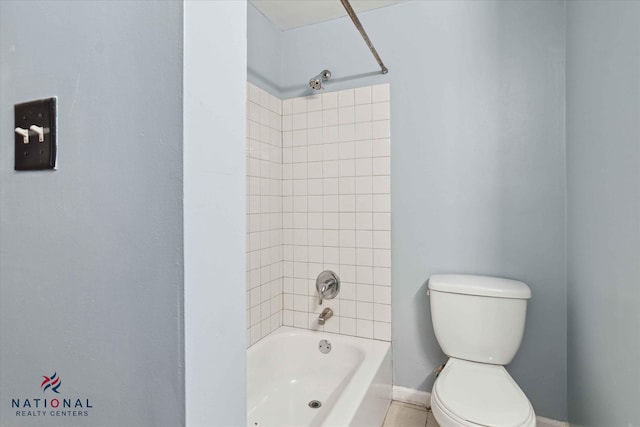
316,82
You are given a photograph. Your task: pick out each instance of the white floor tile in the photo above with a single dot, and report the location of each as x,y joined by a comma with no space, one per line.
406,415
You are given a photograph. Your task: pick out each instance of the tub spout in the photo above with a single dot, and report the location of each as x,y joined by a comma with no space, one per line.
326,314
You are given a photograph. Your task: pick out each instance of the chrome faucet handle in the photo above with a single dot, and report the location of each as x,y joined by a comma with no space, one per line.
321,293
327,285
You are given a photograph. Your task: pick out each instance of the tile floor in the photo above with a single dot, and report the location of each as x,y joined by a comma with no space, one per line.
402,414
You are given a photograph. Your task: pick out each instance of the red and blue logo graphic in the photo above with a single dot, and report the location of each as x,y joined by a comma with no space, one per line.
52,382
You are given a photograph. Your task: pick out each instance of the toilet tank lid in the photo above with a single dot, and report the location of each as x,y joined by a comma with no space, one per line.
488,286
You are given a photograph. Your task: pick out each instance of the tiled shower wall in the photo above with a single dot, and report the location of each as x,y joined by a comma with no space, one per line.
327,165
264,214
336,209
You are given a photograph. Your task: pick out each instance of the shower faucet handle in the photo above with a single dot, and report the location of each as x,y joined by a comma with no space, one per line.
327,285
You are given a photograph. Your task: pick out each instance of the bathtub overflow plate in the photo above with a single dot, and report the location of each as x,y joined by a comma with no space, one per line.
324,346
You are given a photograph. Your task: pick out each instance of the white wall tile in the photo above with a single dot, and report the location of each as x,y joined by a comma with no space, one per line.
330,203
380,111
329,100
315,220
299,121
314,168
382,313
381,240
347,185
330,169
381,129
364,274
314,136
286,124
346,115
347,326
314,119
363,95
330,238
316,237
380,93
382,276
299,137
347,150
300,319
363,131
287,317
330,220
347,220
382,257
363,167
347,202
299,105
364,310
330,117
331,151
346,132
348,308
329,185
314,102
347,255
363,113
382,294
364,328
347,290
381,166
330,134
346,98
333,325
381,185
382,331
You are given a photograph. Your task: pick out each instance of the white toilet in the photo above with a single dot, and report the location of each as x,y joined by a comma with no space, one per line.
479,323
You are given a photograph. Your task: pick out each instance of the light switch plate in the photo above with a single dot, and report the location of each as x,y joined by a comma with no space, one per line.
36,154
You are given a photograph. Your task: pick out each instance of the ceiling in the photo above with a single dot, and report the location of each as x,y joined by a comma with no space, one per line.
288,14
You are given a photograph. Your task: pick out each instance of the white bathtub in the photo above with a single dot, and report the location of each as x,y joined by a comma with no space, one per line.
286,370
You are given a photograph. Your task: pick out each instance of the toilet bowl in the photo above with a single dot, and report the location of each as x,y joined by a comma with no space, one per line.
477,394
479,323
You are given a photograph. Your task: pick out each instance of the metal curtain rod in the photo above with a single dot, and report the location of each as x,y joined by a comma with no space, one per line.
358,25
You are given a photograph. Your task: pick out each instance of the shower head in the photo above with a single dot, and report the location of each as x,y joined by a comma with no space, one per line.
316,82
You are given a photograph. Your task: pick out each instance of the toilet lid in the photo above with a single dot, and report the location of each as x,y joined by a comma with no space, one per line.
482,394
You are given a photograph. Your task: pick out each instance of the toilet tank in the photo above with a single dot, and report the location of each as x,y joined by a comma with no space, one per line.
478,318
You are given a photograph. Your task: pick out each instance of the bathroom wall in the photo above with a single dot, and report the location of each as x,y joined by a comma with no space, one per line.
603,171
336,209
214,126
91,272
264,52
477,162
264,213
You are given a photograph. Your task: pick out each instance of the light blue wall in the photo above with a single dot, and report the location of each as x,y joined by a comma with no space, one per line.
603,171
91,258
214,212
478,177
264,52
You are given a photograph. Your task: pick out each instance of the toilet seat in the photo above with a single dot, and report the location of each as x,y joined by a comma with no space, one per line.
478,394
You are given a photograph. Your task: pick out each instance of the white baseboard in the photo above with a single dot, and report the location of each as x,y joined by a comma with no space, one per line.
423,398
548,422
408,395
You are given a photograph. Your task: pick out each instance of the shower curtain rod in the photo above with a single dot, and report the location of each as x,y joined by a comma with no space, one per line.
356,22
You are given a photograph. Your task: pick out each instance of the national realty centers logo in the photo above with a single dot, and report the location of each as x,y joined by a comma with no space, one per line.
62,406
